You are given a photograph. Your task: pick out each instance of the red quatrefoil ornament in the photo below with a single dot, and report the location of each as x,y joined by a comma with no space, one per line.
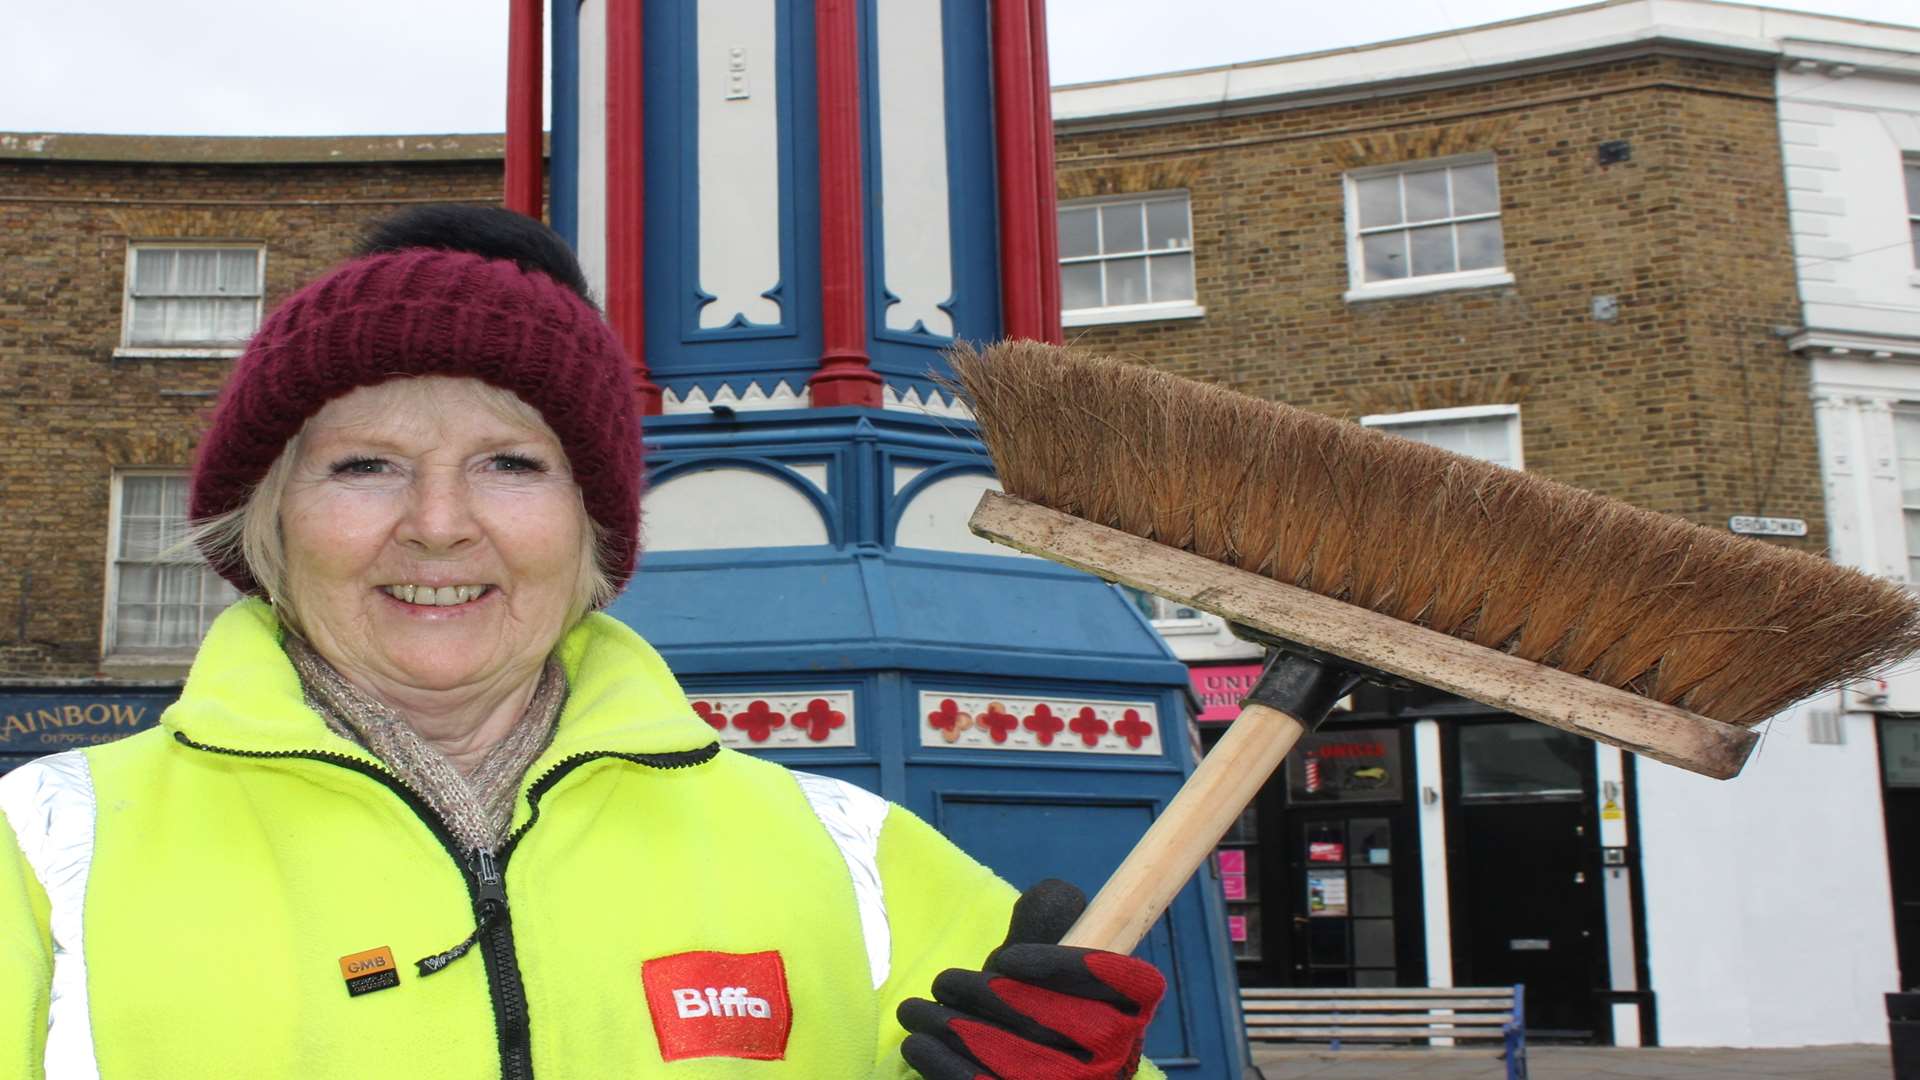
998,721
715,718
1132,728
819,720
759,721
1043,724
1088,726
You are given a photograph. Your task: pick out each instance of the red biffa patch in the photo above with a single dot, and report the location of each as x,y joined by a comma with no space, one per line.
715,1004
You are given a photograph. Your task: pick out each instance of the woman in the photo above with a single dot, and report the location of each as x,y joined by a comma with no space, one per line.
420,812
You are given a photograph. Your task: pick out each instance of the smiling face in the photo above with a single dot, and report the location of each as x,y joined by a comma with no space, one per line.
433,540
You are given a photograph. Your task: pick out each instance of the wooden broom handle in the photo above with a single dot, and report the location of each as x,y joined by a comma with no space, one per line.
1184,834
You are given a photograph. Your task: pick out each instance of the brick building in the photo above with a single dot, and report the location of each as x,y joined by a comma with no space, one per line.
1561,243
134,268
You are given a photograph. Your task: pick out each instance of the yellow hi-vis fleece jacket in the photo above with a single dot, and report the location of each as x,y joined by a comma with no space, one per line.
243,893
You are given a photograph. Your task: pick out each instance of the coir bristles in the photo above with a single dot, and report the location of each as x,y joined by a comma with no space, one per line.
1726,627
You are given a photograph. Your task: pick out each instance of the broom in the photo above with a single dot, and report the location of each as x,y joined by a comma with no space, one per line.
1359,554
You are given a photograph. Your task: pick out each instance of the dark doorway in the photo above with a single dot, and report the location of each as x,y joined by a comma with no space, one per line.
1900,795
1524,867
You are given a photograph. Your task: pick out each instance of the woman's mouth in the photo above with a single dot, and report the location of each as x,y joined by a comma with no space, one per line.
435,596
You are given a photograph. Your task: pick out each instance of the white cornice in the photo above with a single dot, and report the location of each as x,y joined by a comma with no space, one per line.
1578,36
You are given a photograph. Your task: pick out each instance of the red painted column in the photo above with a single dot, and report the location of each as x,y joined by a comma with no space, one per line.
846,375
626,195
1022,293
1049,215
525,153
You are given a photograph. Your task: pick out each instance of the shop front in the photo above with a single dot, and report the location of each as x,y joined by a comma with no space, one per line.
1418,839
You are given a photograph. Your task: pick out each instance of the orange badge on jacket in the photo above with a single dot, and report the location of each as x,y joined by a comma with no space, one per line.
368,971
715,1004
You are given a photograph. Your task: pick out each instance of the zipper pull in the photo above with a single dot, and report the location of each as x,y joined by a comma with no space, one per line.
486,872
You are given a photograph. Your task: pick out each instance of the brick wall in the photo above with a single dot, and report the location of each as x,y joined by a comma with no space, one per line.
71,413
1687,402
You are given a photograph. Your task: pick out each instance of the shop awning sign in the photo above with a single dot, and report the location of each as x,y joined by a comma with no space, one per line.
48,721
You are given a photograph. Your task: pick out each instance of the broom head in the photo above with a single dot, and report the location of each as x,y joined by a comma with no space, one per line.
1722,626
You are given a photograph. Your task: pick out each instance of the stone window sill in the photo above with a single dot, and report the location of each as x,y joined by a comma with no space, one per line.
1420,286
1131,314
145,352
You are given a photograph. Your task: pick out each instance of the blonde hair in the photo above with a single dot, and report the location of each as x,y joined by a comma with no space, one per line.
250,533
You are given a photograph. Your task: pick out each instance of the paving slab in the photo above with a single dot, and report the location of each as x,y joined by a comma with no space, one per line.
1584,1063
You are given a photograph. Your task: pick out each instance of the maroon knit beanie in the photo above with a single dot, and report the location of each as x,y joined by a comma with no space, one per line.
421,312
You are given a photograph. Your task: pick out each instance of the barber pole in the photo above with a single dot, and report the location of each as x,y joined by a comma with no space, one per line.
790,209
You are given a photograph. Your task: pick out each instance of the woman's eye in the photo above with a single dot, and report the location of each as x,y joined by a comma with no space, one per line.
360,466
517,463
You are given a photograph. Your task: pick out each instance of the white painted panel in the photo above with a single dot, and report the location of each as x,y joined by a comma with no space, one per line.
1769,912
729,508
994,721
1435,902
904,474
593,145
739,157
918,241
814,471
779,719
937,516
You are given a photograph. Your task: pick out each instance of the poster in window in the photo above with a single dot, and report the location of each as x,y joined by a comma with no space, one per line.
1350,766
1232,860
1327,894
1326,851
1234,886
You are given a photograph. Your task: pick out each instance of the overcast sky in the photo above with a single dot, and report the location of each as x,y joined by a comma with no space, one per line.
248,67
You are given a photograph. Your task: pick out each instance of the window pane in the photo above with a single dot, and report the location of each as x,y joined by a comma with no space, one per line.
1900,752
1373,894
1167,225
1906,441
134,627
1913,189
239,271
1080,286
149,322
139,584
1121,229
1432,250
1530,761
233,320
1915,226
1385,255
1480,245
1474,190
150,269
1427,195
1373,942
1079,232
1126,282
196,273
1379,199
190,320
143,496
1172,277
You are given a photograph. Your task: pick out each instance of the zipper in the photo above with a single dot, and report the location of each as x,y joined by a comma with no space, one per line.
485,878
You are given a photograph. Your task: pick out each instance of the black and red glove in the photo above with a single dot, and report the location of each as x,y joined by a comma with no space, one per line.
1039,1011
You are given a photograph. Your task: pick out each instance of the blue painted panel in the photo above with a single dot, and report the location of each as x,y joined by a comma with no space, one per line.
677,350
1025,838
747,606
563,169
1033,610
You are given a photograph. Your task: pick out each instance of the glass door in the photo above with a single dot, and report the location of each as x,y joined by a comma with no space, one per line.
1352,861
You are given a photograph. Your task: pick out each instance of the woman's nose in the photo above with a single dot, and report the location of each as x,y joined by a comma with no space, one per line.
439,515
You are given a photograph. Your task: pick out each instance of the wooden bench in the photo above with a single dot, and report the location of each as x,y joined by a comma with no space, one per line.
1390,1019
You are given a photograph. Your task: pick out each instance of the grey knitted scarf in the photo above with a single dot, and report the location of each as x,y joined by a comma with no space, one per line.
476,807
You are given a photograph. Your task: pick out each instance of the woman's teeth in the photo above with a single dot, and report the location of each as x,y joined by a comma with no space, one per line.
429,596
